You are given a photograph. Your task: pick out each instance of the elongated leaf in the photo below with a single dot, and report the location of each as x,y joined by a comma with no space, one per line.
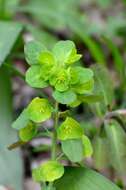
10,162
118,60
104,87
104,83
82,178
100,153
94,48
73,149
21,121
117,141
9,33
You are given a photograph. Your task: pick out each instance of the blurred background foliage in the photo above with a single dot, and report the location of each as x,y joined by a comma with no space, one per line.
99,30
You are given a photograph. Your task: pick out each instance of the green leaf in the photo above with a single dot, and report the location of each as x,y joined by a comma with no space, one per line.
65,52
95,49
32,52
100,153
88,150
39,110
84,74
69,129
117,143
35,78
104,85
80,75
64,97
21,121
28,132
73,149
92,98
73,74
46,57
11,166
49,171
62,51
79,178
84,88
9,32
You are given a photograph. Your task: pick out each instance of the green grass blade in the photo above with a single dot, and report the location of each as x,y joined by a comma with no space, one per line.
10,162
9,33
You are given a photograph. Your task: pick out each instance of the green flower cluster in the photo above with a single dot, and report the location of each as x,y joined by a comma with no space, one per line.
55,68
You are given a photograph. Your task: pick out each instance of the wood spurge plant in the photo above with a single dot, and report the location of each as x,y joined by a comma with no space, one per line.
63,91
70,84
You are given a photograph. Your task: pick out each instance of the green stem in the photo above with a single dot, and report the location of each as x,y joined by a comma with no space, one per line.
54,137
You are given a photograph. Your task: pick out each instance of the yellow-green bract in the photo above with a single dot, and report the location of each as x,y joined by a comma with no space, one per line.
49,171
69,129
38,110
27,133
